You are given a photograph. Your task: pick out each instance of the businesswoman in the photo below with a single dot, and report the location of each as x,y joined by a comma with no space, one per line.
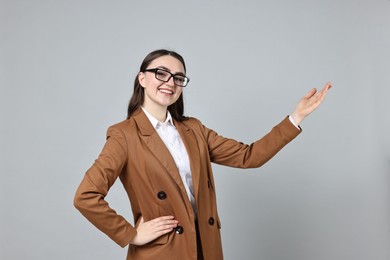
163,160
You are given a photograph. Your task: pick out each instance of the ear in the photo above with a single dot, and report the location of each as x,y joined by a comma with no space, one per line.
141,79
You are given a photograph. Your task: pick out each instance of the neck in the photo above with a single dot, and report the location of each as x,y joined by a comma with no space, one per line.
159,113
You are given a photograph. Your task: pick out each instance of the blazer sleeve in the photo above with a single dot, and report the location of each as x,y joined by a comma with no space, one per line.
232,153
89,197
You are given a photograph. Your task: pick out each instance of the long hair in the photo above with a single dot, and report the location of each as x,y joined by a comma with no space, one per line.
137,99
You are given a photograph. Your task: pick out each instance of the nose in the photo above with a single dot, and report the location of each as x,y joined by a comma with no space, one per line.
170,82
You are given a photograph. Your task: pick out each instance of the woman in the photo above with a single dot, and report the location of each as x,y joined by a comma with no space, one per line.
164,161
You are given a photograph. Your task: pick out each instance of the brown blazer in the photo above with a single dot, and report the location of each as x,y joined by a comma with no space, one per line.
135,153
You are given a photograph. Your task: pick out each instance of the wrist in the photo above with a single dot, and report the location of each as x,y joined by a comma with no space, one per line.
296,118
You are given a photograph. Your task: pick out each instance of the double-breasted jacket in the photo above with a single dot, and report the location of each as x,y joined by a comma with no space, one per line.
135,153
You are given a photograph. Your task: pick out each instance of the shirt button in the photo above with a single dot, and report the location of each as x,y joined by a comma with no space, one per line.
161,195
211,221
179,230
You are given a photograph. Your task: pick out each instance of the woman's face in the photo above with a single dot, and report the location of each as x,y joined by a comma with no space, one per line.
159,94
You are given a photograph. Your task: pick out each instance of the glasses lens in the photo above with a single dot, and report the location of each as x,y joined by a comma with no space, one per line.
180,80
162,75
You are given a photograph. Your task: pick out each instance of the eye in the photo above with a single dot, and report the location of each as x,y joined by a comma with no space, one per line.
179,79
161,74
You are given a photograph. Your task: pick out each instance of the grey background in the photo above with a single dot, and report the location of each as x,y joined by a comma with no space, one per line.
67,69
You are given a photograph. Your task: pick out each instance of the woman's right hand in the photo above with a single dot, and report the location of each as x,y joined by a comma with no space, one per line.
150,230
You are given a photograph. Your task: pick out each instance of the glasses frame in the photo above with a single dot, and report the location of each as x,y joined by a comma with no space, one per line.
171,76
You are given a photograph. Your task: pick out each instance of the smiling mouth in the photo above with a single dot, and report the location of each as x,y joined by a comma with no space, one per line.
166,91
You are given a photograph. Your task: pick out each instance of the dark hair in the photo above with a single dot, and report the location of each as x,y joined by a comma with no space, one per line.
137,99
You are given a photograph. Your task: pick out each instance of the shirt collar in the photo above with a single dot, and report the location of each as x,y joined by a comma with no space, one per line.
155,123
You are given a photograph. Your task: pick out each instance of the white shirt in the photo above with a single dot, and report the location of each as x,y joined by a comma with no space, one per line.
172,140
293,122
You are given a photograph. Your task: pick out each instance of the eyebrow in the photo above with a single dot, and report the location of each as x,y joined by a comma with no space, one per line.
165,68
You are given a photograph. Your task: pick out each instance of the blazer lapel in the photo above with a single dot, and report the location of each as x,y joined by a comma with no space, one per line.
157,147
189,140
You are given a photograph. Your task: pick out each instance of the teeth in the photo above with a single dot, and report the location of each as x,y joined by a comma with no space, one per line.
166,91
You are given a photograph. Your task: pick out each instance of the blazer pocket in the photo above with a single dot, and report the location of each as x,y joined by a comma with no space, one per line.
160,240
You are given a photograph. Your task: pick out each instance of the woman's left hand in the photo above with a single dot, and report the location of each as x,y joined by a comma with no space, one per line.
309,103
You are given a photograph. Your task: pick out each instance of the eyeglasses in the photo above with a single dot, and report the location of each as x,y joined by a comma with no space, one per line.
164,75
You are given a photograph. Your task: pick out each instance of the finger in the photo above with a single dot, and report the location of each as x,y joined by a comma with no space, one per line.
165,229
163,218
326,88
141,221
156,230
166,224
310,93
157,223
163,232
166,217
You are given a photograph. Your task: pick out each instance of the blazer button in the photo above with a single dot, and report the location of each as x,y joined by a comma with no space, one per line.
161,195
179,230
211,221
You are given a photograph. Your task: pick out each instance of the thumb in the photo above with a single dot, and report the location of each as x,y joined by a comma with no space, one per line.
139,222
